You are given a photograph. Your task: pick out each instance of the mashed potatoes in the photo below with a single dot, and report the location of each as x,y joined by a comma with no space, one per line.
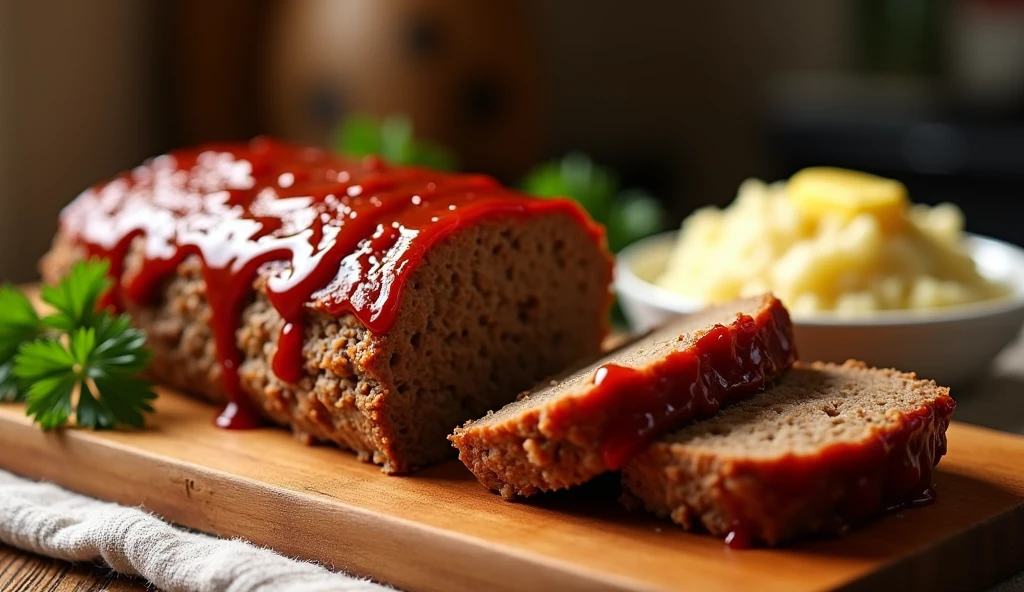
828,240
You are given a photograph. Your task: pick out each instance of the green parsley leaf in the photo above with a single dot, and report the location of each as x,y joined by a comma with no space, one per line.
18,323
577,177
9,388
75,297
634,215
78,360
124,400
628,215
358,136
99,365
49,370
393,140
396,139
119,350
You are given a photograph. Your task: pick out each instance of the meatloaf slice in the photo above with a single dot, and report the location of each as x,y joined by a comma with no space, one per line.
579,425
828,446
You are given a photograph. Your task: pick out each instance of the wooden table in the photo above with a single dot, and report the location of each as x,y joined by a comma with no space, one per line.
996,401
25,571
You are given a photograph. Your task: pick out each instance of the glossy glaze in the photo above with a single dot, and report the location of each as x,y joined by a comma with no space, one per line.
890,471
331,235
725,364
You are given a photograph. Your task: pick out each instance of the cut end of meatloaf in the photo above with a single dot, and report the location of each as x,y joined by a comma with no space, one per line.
826,447
557,435
490,310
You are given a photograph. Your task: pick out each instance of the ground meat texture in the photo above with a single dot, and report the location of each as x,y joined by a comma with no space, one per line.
556,435
827,447
490,310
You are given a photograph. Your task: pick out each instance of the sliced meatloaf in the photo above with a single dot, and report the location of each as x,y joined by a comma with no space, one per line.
511,292
828,446
579,425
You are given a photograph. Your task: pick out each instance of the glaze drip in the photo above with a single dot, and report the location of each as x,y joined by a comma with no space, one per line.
330,235
891,471
725,364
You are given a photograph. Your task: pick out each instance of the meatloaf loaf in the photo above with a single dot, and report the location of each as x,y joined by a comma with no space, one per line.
372,306
826,447
590,421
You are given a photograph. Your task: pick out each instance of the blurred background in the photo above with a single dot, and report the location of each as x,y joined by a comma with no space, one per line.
678,100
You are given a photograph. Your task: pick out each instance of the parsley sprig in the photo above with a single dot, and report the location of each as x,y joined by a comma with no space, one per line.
392,138
78,360
628,215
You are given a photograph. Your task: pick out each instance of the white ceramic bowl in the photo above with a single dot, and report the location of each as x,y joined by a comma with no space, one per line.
950,345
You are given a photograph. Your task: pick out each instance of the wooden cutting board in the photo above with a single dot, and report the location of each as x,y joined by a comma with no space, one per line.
440,530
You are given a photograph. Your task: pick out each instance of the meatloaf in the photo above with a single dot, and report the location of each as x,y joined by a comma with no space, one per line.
372,306
590,421
828,446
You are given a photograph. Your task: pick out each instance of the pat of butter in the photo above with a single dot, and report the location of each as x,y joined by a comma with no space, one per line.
844,193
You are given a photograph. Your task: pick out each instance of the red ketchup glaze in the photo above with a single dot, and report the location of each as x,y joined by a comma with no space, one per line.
333,235
738,537
890,472
724,365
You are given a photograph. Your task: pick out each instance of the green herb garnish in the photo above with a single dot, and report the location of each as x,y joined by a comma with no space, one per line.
628,215
18,323
575,176
391,139
78,360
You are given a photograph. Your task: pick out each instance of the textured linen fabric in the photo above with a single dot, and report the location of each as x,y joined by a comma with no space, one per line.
51,521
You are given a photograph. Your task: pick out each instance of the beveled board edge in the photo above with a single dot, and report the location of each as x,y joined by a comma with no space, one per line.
393,550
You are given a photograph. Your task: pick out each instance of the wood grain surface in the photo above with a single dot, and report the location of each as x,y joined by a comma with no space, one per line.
440,530
24,572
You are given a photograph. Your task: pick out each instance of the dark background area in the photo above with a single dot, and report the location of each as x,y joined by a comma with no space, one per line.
683,99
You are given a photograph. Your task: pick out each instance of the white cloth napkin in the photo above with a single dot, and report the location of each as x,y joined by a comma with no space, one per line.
51,521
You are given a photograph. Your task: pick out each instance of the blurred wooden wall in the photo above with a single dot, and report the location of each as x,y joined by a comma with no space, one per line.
666,92
211,56
88,89
672,92
77,102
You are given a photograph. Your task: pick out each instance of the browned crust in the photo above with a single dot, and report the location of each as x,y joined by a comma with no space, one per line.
518,458
490,311
714,492
526,452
